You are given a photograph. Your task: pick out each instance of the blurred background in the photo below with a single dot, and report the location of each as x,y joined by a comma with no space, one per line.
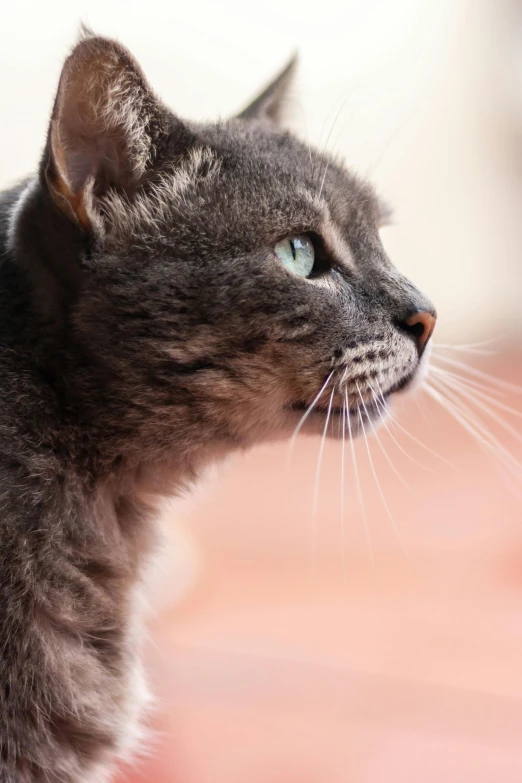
332,624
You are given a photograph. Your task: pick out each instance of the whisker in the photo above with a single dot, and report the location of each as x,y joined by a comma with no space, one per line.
348,92
442,387
380,405
358,486
480,374
402,428
467,347
307,140
377,483
469,421
343,520
471,387
492,449
324,177
482,386
421,405
423,445
328,139
480,400
315,505
307,413
395,134
385,453
462,349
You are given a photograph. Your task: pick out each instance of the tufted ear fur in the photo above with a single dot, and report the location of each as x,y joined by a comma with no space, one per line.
271,103
106,128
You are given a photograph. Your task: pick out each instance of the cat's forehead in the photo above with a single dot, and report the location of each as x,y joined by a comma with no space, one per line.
262,148
275,159
255,183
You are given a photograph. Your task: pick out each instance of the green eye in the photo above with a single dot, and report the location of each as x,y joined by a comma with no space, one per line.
297,254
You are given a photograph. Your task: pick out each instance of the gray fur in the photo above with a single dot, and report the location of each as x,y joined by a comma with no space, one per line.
147,328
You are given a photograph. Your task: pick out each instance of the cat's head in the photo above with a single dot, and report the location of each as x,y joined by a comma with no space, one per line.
230,276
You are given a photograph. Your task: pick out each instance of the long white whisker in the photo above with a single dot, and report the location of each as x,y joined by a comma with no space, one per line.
461,349
307,140
331,108
317,478
467,347
324,177
423,445
385,453
464,408
308,412
482,386
451,379
493,450
328,138
402,428
383,411
343,479
377,483
395,134
470,423
480,374
420,403
358,486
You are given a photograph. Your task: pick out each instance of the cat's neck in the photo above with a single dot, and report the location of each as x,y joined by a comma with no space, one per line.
84,408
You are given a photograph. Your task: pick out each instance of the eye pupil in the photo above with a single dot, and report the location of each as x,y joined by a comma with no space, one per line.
296,254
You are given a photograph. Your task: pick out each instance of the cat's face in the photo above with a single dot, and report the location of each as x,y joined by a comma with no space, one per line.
234,276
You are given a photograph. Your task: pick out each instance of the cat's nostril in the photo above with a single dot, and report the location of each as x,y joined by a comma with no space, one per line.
420,326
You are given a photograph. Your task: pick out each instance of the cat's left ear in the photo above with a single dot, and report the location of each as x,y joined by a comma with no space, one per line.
272,103
107,128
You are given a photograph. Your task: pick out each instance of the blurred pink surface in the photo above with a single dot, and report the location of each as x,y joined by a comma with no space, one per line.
294,660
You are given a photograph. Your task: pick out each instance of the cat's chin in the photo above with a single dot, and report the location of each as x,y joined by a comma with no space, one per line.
331,424
367,417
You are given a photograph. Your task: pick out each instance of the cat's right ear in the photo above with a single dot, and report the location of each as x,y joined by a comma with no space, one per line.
106,128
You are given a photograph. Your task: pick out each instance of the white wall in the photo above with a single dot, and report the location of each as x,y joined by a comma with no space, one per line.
415,93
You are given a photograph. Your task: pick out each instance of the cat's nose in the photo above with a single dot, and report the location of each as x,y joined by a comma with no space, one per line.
420,326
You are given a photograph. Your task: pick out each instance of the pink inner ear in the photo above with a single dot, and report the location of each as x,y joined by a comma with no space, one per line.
95,135
96,157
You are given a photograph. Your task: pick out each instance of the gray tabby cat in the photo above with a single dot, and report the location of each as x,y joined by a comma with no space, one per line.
169,292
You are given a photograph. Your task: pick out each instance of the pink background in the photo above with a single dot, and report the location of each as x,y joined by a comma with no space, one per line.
287,665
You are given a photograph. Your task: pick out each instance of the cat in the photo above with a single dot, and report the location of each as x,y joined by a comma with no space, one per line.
169,292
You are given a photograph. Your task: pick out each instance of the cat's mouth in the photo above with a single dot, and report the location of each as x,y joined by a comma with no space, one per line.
368,408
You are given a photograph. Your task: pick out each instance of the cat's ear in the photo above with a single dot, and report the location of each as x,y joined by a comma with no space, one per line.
105,129
272,103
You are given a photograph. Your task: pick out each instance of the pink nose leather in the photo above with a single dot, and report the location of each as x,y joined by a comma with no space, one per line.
421,326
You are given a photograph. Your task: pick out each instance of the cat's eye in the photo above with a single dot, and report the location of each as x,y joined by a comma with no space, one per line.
297,254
